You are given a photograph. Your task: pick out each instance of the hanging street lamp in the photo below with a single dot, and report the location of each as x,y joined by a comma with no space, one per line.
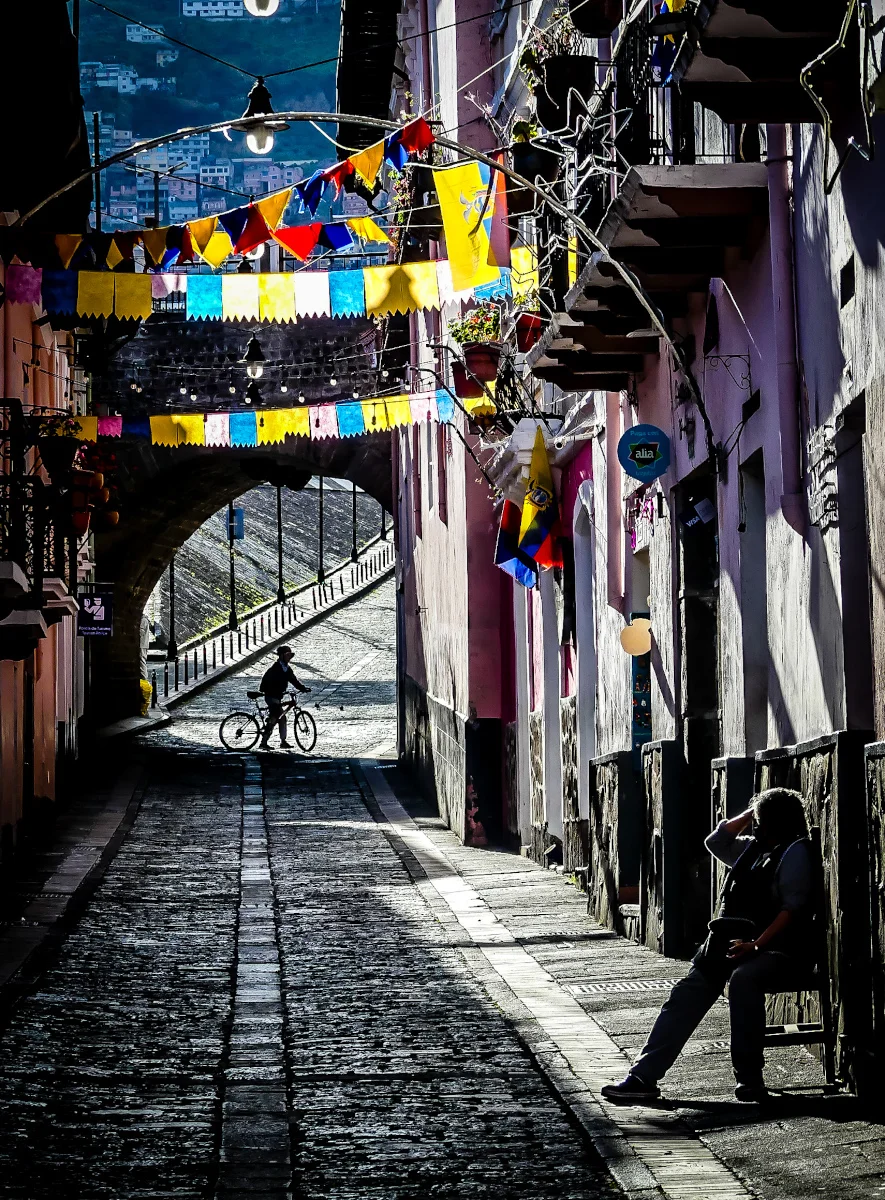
260,137
254,358
261,8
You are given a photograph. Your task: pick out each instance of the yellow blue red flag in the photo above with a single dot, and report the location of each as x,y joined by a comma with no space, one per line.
467,202
539,527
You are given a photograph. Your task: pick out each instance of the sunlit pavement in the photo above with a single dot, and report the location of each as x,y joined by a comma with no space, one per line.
292,981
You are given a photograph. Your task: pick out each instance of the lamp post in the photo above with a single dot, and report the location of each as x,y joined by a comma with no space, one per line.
232,622
321,572
354,554
172,646
281,594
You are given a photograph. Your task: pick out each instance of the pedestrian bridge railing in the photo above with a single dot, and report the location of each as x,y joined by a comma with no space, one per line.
214,653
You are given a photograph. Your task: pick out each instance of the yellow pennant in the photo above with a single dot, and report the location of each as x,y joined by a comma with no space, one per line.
67,244
367,229
132,297
217,249
273,207
201,232
154,241
367,163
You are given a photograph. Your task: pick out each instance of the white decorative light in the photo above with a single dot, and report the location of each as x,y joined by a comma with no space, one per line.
183,391
261,8
333,382
284,388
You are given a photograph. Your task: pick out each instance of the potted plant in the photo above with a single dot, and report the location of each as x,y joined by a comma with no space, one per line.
528,331
478,333
465,387
554,67
531,158
58,443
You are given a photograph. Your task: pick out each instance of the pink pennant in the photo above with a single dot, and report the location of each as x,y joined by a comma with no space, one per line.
423,406
110,426
323,421
23,283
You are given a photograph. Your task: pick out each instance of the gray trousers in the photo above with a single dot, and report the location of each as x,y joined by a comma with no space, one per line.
693,997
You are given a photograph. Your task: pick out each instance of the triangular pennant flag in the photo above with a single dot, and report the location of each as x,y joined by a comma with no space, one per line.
255,232
299,239
367,229
201,231
126,243
395,152
310,192
68,244
186,253
217,249
154,242
417,136
539,523
114,255
336,237
337,174
234,222
273,207
367,163
99,244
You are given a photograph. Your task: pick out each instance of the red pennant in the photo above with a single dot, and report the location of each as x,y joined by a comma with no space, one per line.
299,239
126,243
186,253
255,232
416,136
338,173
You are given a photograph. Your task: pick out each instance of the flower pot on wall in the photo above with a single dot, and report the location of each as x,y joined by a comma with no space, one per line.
528,331
482,358
564,74
465,387
596,18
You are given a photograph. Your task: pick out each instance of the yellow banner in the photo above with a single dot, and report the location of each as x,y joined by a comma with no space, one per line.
467,203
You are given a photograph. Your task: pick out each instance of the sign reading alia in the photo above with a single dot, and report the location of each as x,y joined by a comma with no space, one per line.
644,452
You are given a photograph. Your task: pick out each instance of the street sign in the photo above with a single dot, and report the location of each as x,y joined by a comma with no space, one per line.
96,615
237,527
644,452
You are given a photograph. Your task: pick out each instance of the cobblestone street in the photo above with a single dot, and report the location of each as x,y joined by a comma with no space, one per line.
293,981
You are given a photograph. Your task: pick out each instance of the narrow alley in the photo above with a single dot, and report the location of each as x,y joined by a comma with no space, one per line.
293,981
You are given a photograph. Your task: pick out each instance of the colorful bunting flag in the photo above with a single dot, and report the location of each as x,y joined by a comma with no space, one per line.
204,298
539,523
395,152
312,294
347,293
217,429
336,237
86,428
337,174
366,229
67,244
276,297
201,231
310,192
191,428
234,222
417,136
239,297
132,297
243,429
255,233
273,207
323,421
217,249
110,427
367,163
23,283
59,291
95,294
274,425
350,419
299,239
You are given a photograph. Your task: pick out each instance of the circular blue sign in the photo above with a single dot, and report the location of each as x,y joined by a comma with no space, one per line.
644,452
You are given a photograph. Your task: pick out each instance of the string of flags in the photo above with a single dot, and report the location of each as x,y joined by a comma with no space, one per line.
277,297
270,426
237,231
528,538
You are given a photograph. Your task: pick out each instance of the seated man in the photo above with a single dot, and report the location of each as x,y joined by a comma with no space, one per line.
766,896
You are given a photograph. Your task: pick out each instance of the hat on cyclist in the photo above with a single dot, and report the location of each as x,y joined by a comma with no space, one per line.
281,650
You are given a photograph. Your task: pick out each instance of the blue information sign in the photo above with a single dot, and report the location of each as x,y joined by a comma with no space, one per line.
644,452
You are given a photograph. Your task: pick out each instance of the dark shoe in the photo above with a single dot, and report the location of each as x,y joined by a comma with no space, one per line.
286,745
752,1093
631,1088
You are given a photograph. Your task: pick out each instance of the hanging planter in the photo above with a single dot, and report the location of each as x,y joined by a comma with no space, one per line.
465,387
534,159
481,359
528,331
596,18
562,75
57,455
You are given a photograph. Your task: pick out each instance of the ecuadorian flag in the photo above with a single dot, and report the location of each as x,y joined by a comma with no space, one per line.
539,527
508,556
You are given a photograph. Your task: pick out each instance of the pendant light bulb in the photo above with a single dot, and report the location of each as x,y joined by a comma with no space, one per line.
254,370
253,393
384,374
254,358
260,140
260,137
183,391
333,382
261,8
301,397
232,390
284,388
193,395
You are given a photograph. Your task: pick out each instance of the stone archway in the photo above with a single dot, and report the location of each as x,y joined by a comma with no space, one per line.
168,493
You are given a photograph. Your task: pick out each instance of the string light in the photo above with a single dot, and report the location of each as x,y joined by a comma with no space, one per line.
301,397
193,395
284,388
232,390
333,382
183,391
254,358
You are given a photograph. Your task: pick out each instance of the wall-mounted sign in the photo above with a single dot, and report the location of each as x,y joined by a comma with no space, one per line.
644,452
236,530
96,615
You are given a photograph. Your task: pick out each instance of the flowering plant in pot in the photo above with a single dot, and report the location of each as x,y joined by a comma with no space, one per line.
57,441
477,333
554,65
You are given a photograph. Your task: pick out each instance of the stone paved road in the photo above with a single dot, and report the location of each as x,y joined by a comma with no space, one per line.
258,1002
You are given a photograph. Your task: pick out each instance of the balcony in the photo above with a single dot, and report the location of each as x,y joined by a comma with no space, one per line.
744,62
675,228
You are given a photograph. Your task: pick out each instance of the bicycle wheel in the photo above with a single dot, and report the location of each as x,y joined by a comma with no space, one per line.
305,730
239,731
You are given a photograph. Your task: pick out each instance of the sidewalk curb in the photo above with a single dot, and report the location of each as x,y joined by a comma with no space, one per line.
624,1146
44,949
256,652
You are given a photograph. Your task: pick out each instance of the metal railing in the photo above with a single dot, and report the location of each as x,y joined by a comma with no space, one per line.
209,653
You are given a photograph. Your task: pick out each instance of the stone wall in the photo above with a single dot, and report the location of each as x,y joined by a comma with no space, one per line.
574,840
435,752
613,836
512,835
538,843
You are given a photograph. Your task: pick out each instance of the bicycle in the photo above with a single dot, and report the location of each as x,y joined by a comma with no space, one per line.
241,730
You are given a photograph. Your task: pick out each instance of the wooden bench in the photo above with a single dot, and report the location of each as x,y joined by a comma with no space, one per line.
810,1033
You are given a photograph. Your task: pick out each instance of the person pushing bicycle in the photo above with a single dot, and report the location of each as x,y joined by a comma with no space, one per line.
274,684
